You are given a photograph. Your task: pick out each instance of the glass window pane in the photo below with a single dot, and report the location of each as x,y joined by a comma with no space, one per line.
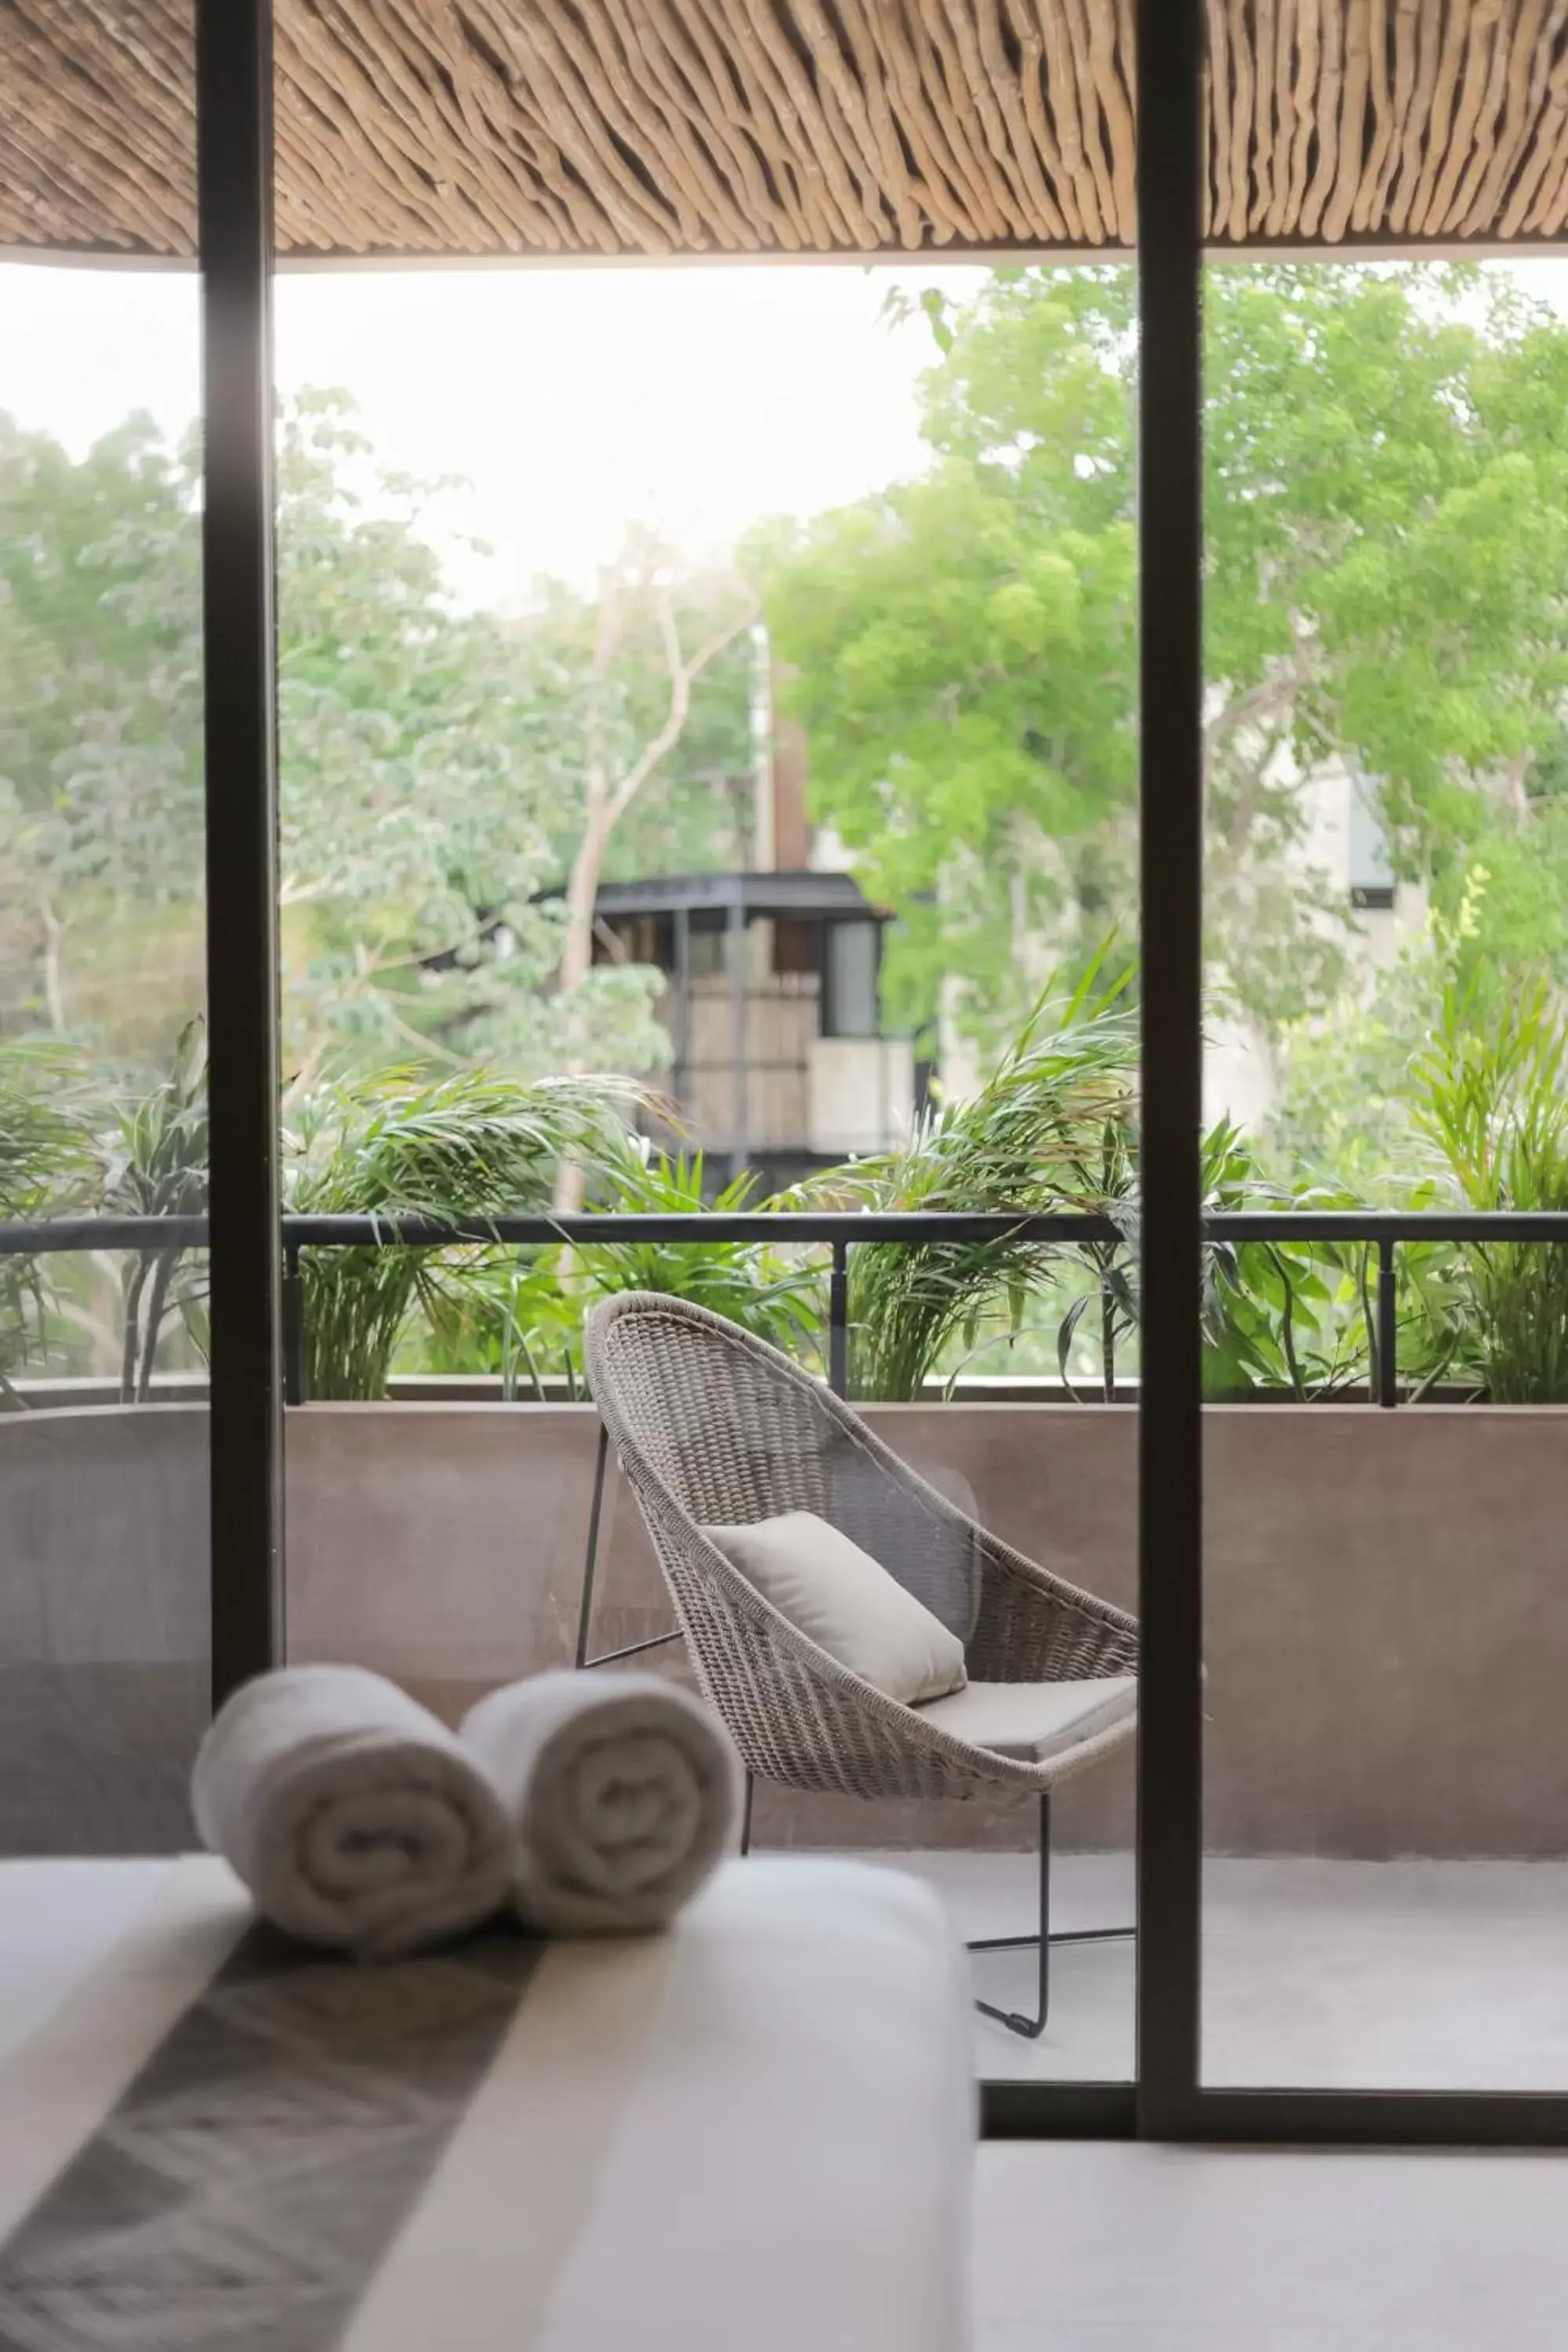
852,959
853,909
1386,1858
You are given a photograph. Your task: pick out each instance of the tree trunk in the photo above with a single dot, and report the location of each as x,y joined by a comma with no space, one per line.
571,1188
49,967
576,963
582,890
608,802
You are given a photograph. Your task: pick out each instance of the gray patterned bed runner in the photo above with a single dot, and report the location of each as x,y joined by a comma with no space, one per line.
245,2189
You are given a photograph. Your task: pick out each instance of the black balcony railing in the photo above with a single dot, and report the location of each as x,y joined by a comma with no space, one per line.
1384,1230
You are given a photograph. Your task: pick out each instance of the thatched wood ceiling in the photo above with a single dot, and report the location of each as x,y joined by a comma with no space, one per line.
661,126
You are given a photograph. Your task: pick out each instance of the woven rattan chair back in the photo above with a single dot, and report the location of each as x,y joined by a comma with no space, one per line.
734,1433
710,1427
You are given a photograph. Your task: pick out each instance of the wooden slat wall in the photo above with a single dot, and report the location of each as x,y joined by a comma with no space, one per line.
663,127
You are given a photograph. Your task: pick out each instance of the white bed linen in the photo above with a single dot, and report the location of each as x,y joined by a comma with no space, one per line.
756,2130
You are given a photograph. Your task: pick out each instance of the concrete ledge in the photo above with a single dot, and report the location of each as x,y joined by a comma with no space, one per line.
1386,1622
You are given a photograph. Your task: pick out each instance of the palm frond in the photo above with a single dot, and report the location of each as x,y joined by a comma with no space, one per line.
1490,1107
473,1146
778,1294
1053,1127
45,1171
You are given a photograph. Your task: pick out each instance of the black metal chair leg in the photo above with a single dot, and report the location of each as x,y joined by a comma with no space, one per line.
590,1575
746,1813
1029,2029
591,1563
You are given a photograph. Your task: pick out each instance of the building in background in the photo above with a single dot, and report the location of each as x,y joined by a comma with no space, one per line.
771,999
773,993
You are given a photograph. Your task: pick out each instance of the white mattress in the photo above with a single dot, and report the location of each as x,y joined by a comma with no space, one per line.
755,2132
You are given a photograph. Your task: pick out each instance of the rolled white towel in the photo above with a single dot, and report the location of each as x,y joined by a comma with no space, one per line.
622,1789
353,1816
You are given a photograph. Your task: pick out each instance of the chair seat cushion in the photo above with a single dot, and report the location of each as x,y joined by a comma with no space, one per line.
1031,1722
847,1604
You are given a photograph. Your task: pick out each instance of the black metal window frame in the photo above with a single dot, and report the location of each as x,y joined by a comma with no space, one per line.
1171,2100
1168,2099
235,242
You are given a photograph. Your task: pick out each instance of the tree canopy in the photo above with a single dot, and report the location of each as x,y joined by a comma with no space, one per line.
432,763
1386,515
1388,587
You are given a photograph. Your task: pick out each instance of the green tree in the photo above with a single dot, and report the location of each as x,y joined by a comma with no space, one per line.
99,730
626,705
1343,1111
641,709
441,770
434,775
1388,549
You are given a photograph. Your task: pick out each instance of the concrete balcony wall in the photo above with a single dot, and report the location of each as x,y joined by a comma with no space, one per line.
1386,1625
105,1626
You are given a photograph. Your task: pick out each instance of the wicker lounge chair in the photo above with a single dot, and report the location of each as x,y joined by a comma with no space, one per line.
713,1427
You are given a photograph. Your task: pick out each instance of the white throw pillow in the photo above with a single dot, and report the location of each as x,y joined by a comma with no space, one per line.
847,1603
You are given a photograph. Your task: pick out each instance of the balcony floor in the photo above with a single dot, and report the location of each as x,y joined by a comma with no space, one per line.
1126,2248
1325,1975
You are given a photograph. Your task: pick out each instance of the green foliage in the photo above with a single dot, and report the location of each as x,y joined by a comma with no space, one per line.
1293,1319
43,1170
962,650
512,1318
430,770
431,766
1051,1128
1386,516
100,796
1490,1102
1055,1128
763,1286
1344,1115
602,689
153,1162
522,1317
473,1146
1387,510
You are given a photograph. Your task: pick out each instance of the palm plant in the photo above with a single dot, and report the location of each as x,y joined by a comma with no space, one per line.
513,1316
1052,1129
473,1146
1284,1316
1057,1127
523,1318
1293,1318
1490,1104
753,1284
43,1168
154,1163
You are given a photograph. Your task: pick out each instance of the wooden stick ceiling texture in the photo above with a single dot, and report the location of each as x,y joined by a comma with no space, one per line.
582,128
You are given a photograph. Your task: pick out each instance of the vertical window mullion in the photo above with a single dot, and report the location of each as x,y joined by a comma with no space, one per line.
234,184
1170,1483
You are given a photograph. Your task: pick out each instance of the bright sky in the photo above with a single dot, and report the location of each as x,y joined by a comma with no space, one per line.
574,399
